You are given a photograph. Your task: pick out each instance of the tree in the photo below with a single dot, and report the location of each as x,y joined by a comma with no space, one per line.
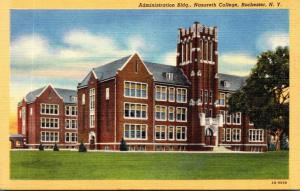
265,96
55,148
41,147
123,146
82,148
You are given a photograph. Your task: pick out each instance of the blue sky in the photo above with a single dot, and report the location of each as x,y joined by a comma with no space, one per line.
60,46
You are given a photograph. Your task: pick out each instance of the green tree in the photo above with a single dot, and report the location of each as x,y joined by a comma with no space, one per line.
265,96
123,146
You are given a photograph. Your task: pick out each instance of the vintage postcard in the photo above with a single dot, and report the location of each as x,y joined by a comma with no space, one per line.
149,95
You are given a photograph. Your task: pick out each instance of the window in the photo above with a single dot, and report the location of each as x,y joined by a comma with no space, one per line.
228,134
50,123
160,113
181,133
49,109
23,120
205,96
71,110
83,99
161,93
92,107
222,112
169,76
228,118
49,136
71,123
171,114
135,90
222,99
211,97
107,93
74,98
171,132
181,114
135,131
201,95
181,95
30,111
236,135
210,113
135,110
236,118
256,135
70,137
160,132
171,94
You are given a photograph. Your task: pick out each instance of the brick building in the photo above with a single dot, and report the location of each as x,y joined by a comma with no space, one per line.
154,106
48,115
161,107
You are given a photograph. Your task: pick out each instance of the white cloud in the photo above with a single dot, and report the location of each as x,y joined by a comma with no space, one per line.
236,63
271,40
169,58
136,43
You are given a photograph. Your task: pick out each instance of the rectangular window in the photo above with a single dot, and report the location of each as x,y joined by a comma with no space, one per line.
135,110
181,133
71,123
222,99
222,112
228,134
23,120
92,99
49,109
236,135
107,93
205,96
181,95
171,113
160,93
181,114
201,96
160,113
92,120
49,136
211,97
228,118
169,76
70,110
171,94
256,135
135,131
171,132
50,123
160,132
236,118
135,90
83,99
70,137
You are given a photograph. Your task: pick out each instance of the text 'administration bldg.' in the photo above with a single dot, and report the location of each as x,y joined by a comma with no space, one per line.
154,106
161,107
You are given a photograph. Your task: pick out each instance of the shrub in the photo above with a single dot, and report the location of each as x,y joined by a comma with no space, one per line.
82,148
55,148
41,147
123,146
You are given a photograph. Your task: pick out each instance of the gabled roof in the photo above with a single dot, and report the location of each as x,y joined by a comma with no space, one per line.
235,82
109,70
66,94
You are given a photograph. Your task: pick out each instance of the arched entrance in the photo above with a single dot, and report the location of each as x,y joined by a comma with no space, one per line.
92,140
210,139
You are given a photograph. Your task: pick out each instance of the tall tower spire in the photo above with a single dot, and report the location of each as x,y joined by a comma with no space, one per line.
197,56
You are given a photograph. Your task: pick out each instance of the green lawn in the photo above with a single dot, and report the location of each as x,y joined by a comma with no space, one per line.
34,165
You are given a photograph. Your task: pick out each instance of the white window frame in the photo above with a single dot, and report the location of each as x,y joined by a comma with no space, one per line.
228,134
174,115
178,111
50,105
49,119
50,133
71,108
160,127
171,131
184,91
237,116
162,90
224,102
135,89
159,108
256,135
107,93
70,122
234,133
181,133
83,99
223,115
228,116
134,125
135,111
70,136
172,91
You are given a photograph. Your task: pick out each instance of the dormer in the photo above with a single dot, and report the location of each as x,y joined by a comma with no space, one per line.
225,83
169,76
